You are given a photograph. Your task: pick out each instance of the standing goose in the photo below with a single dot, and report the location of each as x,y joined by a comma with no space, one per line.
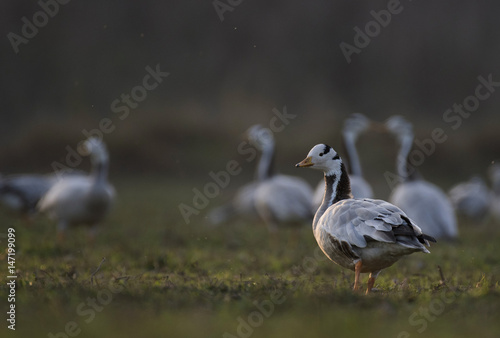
280,200
354,126
364,235
85,200
471,198
423,201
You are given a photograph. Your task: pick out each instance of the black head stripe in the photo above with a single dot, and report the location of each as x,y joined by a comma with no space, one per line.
336,157
327,149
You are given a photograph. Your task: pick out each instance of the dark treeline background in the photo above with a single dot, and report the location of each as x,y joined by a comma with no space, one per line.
226,75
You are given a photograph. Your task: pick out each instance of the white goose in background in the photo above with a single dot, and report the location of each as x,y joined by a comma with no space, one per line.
280,200
494,174
75,200
422,201
354,126
364,235
471,198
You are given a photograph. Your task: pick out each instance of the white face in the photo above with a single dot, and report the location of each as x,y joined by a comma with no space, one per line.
356,124
96,149
398,124
324,158
260,137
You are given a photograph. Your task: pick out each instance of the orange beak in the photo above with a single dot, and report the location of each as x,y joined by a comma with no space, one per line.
307,162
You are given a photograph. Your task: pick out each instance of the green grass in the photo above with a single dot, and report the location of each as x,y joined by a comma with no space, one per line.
164,278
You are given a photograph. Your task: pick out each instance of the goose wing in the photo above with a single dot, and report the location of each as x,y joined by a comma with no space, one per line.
359,221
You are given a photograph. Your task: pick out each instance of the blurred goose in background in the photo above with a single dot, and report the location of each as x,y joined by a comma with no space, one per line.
280,200
494,174
21,193
422,201
471,198
81,199
364,235
354,126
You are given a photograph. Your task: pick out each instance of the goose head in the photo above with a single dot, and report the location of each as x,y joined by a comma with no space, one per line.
400,127
261,138
323,157
355,124
94,147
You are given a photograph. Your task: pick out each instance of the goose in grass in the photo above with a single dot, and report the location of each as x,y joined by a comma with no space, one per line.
354,126
471,198
363,235
422,201
83,199
280,200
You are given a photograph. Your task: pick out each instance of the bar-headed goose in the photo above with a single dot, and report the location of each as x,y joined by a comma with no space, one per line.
364,235
354,126
85,199
280,200
422,201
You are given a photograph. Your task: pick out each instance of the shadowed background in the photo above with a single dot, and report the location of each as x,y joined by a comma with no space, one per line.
226,75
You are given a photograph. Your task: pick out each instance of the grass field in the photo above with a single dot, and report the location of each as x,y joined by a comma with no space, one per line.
161,277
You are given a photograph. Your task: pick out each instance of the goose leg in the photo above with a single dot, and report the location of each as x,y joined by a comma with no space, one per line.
357,272
371,281
61,232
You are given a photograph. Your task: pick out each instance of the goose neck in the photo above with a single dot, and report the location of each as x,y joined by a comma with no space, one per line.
100,172
337,188
352,154
406,144
265,167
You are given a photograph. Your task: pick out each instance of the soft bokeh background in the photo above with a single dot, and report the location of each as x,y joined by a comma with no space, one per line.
227,75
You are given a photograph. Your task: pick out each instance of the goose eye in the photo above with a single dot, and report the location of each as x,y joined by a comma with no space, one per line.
320,154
